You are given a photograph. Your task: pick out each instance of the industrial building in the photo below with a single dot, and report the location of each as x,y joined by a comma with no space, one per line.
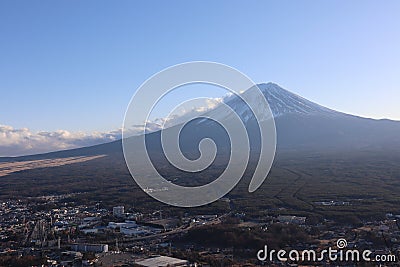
98,248
162,261
118,211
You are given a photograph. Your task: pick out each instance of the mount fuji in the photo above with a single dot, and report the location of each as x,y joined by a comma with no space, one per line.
301,125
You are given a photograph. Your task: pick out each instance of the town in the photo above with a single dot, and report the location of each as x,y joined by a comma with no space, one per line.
53,231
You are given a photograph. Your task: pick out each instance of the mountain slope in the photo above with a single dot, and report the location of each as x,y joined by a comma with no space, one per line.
305,125
302,124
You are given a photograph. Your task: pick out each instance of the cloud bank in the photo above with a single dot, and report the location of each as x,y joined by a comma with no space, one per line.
17,142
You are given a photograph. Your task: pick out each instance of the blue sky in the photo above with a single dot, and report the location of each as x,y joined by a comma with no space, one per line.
74,65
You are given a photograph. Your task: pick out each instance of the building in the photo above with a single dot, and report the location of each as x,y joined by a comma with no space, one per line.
162,261
90,247
133,231
118,211
127,224
131,228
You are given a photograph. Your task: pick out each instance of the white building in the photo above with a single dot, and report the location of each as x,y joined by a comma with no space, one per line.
132,230
90,247
162,261
114,225
118,211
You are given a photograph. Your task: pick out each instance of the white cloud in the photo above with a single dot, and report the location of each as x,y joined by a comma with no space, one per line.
180,115
15,142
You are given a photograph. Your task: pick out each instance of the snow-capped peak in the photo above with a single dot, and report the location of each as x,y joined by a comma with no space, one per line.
283,102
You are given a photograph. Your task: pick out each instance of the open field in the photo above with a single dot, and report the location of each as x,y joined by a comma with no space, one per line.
7,168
